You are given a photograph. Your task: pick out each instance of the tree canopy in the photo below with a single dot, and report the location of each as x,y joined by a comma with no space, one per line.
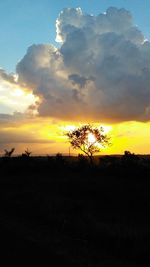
88,139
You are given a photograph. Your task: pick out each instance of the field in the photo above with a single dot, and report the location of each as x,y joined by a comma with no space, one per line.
59,211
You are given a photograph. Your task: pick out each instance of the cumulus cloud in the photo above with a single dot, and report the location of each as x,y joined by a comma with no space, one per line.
101,70
7,77
14,96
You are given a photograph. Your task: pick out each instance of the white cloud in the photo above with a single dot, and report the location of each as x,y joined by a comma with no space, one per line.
12,96
100,71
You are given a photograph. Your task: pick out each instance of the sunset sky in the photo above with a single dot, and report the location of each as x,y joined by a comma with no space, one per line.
68,63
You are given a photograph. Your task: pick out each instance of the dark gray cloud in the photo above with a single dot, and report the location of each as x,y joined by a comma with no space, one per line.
7,77
101,70
79,80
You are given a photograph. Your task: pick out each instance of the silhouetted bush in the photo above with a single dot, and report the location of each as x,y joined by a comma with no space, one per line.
8,153
26,154
129,159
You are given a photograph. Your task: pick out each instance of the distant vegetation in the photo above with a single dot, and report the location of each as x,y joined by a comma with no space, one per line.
109,163
8,153
26,154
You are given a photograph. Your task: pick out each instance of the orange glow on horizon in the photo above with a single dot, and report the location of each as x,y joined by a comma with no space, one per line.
47,136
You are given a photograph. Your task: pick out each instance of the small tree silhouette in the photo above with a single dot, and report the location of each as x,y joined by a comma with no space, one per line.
27,153
88,139
129,157
9,153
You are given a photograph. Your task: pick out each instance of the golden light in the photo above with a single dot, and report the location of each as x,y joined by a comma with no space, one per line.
49,138
18,92
14,98
69,128
91,138
107,128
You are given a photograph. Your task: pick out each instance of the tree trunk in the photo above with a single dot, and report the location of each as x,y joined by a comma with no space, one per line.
91,160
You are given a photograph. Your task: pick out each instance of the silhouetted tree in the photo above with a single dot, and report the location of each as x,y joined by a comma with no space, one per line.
26,154
8,153
88,139
129,157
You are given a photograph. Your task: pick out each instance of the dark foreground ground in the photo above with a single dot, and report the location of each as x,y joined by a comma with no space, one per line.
65,212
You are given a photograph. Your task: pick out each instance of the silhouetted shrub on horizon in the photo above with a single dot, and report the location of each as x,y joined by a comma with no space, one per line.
8,153
104,165
129,157
26,154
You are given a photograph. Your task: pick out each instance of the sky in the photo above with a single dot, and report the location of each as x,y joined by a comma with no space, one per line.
27,22
66,63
